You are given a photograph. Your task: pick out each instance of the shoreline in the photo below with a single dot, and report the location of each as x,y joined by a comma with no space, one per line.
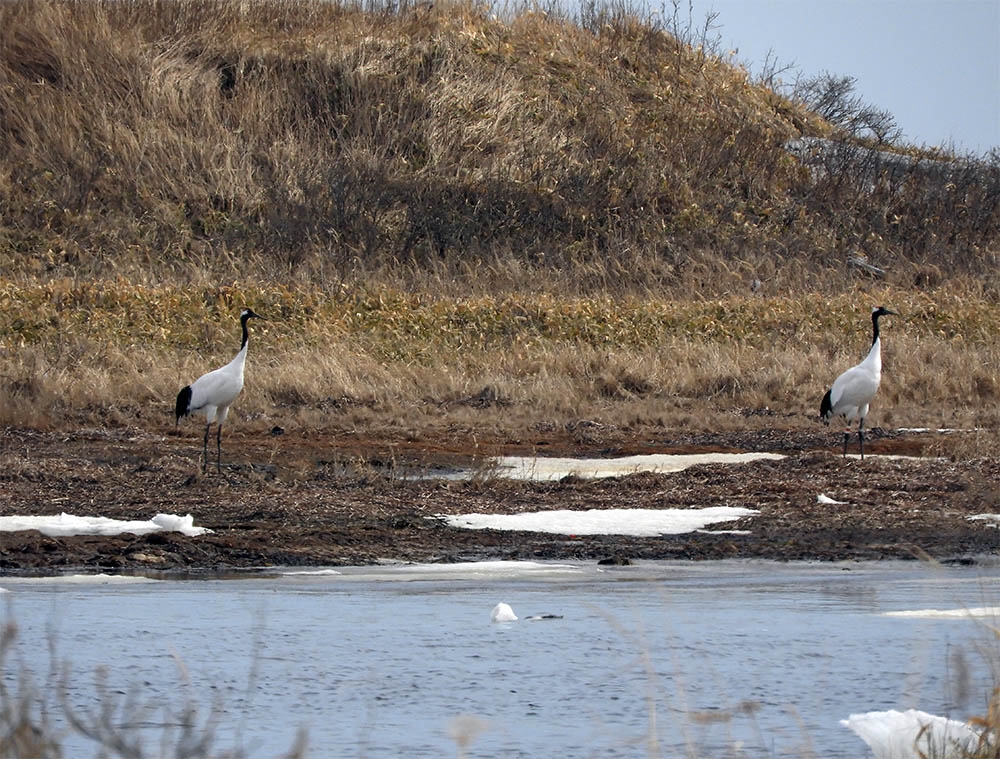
298,502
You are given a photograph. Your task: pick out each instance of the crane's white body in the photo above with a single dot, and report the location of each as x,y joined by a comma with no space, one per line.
913,734
213,393
853,390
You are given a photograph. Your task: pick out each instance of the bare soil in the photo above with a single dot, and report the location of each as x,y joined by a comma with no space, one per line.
286,499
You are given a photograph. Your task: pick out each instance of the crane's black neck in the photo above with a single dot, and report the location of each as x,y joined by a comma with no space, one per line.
246,333
876,313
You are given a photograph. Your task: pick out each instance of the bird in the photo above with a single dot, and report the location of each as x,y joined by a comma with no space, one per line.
914,734
853,390
213,393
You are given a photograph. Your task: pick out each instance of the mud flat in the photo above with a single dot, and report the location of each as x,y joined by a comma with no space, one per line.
291,501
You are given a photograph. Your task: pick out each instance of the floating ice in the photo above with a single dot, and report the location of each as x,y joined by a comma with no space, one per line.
974,612
502,613
635,522
913,734
65,525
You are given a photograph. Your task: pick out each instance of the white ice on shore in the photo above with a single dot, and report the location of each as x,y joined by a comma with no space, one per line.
545,468
992,519
825,499
635,522
65,525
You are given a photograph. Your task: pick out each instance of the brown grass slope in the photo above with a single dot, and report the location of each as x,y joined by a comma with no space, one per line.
322,142
458,220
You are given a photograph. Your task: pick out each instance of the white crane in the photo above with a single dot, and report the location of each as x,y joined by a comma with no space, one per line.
213,393
853,390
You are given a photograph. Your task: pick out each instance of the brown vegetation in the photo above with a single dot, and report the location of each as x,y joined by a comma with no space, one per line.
458,219
316,142
472,232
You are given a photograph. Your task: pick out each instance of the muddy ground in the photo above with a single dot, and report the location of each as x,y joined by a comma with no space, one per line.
307,500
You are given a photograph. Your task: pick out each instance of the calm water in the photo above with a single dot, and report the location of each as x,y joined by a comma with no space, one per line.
716,659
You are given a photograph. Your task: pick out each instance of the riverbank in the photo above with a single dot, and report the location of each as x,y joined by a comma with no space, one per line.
295,500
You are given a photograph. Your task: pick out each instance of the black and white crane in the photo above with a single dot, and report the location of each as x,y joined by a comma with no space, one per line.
853,390
212,394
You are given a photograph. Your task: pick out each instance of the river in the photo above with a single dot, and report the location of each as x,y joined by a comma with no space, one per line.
658,659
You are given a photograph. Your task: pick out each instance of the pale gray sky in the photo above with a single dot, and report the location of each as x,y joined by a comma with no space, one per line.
933,64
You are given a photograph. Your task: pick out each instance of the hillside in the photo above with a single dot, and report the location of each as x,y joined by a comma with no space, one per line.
456,220
321,143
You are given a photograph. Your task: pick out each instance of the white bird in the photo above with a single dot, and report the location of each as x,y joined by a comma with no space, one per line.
502,613
213,393
853,390
914,734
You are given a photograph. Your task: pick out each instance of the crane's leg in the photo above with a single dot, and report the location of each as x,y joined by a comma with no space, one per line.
847,437
218,446
861,437
204,465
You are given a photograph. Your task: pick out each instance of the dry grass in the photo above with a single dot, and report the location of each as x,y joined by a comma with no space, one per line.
441,147
434,200
34,723
115,354
454,215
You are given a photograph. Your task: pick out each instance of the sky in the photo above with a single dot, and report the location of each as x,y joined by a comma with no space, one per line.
933,64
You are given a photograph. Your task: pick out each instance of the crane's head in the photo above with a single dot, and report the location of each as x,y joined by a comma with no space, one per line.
249,313
882,311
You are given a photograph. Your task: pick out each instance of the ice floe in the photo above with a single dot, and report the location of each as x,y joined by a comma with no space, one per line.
913,734
974,612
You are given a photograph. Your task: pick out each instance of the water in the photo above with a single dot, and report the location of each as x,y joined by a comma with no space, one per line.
708,660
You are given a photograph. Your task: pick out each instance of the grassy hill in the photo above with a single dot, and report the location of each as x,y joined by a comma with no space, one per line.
434,198
315,141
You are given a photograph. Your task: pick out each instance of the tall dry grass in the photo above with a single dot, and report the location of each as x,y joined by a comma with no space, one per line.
401,363
435,146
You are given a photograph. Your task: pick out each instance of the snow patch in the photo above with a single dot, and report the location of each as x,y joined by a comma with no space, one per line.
66,525
635,522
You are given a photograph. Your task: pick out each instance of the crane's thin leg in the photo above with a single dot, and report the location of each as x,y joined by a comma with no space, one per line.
861,437
218,446
204,466
847,437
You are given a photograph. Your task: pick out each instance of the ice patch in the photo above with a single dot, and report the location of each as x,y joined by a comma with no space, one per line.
635,522
975,612
66,525
543,468
78,579
825,499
